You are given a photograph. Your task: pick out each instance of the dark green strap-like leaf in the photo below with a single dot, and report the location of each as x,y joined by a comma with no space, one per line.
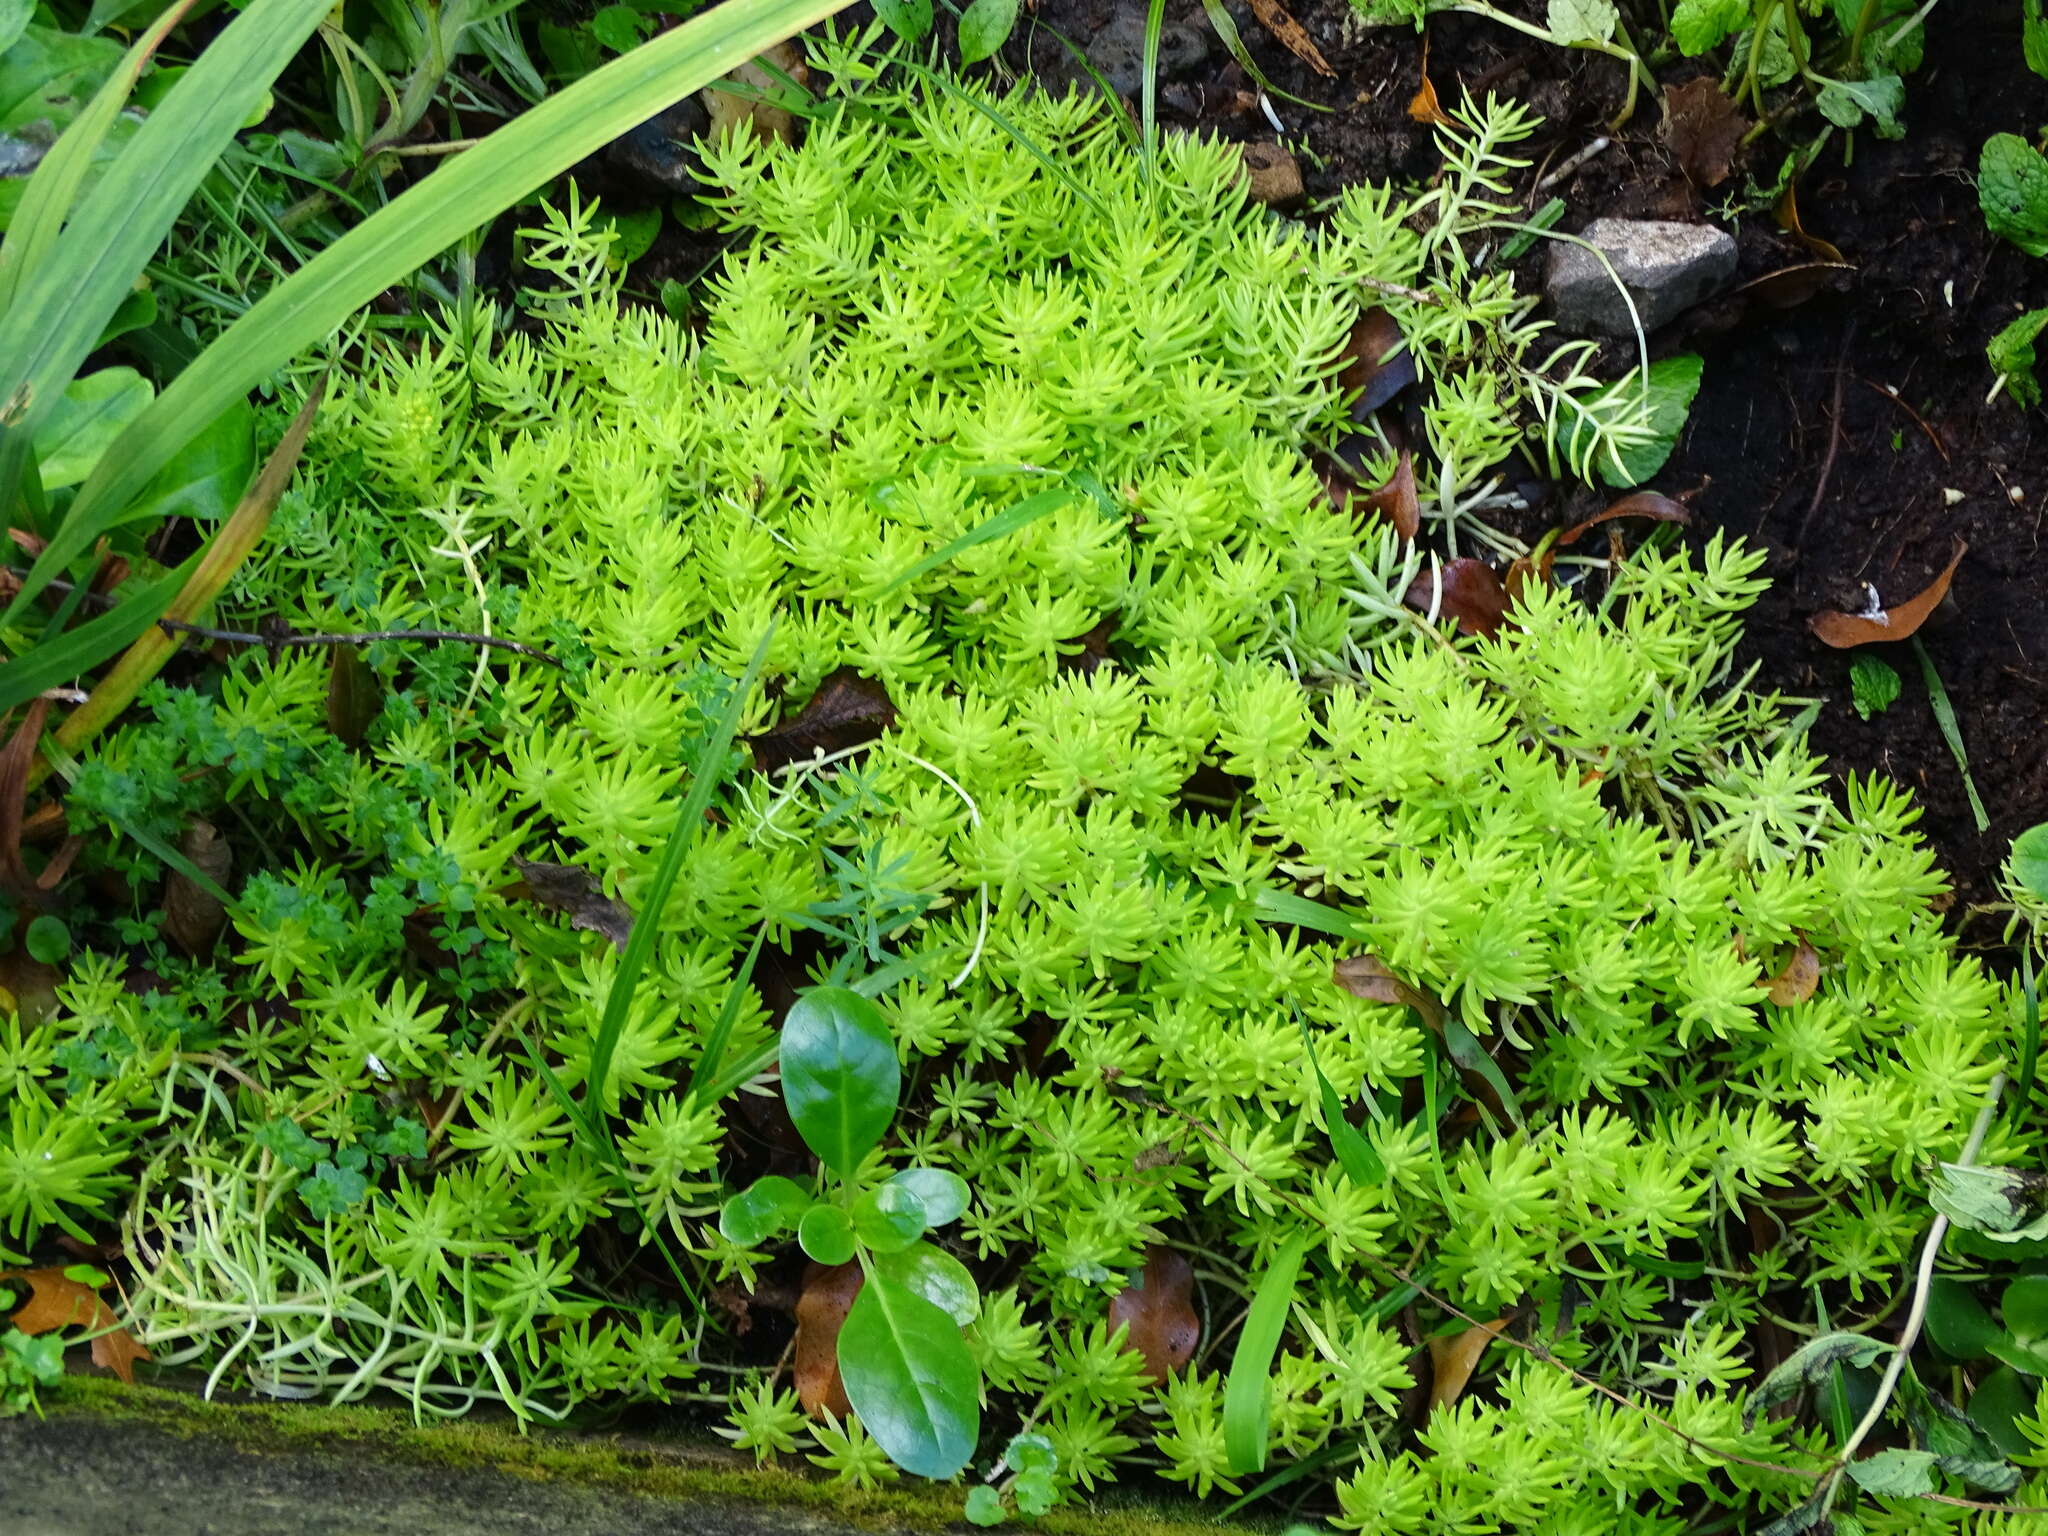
1246,1394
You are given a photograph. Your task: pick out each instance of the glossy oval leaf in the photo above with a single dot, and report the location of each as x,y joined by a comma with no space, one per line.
910,1378
93,411
1957,1321
839,1075
943,1195
937,1276
762,1210
888,1218
984,27
826,1234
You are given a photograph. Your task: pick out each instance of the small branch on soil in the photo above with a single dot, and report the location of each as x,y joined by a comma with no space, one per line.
1827,468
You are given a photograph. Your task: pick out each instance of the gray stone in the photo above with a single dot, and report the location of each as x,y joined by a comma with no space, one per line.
1667,268
1118,50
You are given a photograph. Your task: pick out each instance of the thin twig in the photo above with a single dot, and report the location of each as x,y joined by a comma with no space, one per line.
1398,290
1827,468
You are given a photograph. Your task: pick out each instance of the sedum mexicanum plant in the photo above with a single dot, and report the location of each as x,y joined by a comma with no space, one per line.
1011,436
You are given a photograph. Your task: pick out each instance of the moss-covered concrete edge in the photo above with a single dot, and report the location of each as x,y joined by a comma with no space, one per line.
676,1470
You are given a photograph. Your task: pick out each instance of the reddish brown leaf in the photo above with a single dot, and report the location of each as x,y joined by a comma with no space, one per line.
1796,982
821,1310
1423,106
1788,220
1843,630
1160,1312
193,915
1789,287
1703,128
1648,504
15,758
847,710
576,891
1453,1359
1289,31
1528,572
1396,500
1465,590
55,1300
1379,363
1364,976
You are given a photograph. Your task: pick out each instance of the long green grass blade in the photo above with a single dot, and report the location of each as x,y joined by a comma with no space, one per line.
640,943
1002,525
467,191
1247,1394
63,303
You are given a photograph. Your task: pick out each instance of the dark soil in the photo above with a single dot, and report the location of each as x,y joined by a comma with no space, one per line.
1791,444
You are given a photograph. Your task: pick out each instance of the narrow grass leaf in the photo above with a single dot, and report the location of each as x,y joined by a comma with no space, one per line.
705,1072
1002,525
711,768
1951,730
1247,1395
1354,1153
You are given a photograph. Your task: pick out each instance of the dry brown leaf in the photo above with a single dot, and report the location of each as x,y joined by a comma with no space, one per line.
1648,504
821,1310
576,891
15,758
1160,1312
1704,129
1379,363
1788,220
847,709
1289,31
1423,106
55,1300
1364,976
1463,589
1527,572
1789,287
1843,630
193,915
1396,500
1796,982
1453,1359
756,107
353,695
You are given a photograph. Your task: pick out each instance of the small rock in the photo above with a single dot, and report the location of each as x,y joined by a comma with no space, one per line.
1667,267
1118,50
1274,176
658,152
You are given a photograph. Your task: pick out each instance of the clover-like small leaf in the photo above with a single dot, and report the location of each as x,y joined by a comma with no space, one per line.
943,1195
766,1208
826,1234
984,1506
888,1218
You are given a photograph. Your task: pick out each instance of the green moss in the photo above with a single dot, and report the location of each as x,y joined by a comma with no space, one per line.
668,1468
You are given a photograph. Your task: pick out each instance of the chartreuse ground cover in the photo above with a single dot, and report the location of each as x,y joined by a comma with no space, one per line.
1041,975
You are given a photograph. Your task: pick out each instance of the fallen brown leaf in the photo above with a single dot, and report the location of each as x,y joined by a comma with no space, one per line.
847,709
1527,572
1423,106
1396,500
1797,981
1463,589
821,1309
573,890
55,1300
1364,976
1648,504
1379,363
1843,630
753,104
1289,31
1704,129
1788,220
1789,287
193,915
1453,1359
353,695
1160,1312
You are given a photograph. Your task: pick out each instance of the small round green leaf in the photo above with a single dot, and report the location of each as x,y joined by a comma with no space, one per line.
910,1378
1031,1453
939,1278
1996,1405
908,19
48,939
943,1194
2024,1306
888,1218
984,1506
2029,861
839,1075
826,1234
764,1209
984,27
1957,1321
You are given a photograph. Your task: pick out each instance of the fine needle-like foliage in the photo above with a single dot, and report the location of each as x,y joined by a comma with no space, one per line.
350,1144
